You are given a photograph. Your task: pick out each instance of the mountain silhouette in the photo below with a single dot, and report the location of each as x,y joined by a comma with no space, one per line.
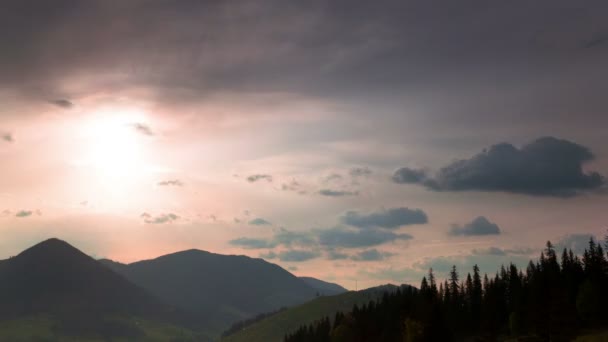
324,288
53,278
221,289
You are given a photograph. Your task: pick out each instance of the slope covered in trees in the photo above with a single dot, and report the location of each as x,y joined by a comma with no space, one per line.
273,327
553,299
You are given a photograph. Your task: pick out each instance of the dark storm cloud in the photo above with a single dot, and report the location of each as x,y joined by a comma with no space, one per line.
160,219
479,226
8,137
258,221
24,213
371,255
313,47
257,177
171,182
62,103
337,193
143,129
545,167
390,219
348,238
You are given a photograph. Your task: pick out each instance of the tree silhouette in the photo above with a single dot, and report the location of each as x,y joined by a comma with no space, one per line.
550,300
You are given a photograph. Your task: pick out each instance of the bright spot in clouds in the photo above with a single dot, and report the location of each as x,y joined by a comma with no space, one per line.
113,152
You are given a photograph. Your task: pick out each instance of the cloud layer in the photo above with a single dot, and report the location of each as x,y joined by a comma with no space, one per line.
546,167
258,221
479,226
389,219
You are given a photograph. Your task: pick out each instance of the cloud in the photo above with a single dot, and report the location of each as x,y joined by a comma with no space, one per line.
250,243
62,103
269,255
597,41
24,213
297,255
479,226
143,129
371,255
172,182
8,137
258,221
360,172
337,193
347,238
293,186
390,219
336,255
291,255
257,177
488,263
503,252
407,175
364,231
545,167
160,219
288,238
577,242
332,177
282,237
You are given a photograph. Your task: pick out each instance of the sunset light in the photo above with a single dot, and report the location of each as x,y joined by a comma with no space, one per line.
303,171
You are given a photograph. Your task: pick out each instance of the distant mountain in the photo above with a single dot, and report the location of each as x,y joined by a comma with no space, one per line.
221,289
323,287
275,327
57,280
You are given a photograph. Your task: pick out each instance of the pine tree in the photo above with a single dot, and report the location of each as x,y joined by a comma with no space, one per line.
454,286
432,283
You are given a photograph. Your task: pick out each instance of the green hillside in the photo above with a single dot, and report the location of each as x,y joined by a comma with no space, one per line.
45,328
274,328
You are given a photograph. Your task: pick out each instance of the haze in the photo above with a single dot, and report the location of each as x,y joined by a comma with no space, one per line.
355,143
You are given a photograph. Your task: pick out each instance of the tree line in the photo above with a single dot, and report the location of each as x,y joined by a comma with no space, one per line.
553,299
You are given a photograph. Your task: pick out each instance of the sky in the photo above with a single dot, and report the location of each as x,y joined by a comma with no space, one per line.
358,142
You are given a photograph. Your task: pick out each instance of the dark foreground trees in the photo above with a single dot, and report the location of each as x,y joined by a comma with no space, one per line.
553,299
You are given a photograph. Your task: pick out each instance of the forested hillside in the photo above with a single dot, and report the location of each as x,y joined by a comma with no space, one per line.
554,299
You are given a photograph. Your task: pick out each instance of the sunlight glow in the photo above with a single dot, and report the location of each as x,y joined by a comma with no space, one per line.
113,147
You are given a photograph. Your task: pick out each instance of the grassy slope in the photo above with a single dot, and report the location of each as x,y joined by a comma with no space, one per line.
40,328
594,337
274,328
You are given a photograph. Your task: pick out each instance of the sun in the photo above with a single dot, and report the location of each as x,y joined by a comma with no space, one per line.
113,146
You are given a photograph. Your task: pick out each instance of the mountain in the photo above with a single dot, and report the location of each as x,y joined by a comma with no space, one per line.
275,327
55,280
323,287
220,289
